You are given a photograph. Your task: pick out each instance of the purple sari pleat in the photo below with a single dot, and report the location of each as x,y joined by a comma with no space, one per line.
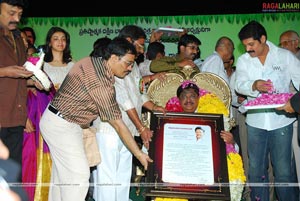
29,160
36,104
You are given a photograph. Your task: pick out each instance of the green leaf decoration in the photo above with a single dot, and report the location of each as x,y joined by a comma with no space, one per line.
178,19
105,21
187,19
91,20
161,19
148,19
157,20
230,18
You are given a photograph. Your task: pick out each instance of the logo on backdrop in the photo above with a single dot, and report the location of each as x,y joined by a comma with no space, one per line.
280,7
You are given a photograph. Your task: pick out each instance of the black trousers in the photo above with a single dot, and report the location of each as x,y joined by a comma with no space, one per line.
12,137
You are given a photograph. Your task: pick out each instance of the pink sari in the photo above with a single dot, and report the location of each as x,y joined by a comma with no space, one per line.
36,162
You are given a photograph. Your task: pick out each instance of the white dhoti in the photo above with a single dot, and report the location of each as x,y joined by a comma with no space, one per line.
112,176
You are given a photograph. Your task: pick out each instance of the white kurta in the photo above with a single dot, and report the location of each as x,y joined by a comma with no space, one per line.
113,174
280,66
214,64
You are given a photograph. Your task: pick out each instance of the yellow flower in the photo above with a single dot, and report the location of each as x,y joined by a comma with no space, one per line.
210,103
235,167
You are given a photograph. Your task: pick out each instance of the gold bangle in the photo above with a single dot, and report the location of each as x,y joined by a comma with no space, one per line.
140,130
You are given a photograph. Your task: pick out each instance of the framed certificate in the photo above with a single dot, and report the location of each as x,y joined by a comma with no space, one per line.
189,157
170,34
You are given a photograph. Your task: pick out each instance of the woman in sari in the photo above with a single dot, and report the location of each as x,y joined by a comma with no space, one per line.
36,157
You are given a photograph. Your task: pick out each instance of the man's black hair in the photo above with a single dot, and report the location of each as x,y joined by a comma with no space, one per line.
153,49
19,3
187,86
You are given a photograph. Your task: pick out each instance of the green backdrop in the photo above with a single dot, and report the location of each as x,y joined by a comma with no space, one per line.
208,28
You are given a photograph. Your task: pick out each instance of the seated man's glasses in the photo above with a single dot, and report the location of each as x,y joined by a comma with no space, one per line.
128,63
193,47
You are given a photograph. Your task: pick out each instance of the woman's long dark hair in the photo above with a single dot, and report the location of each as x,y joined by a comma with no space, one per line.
67,57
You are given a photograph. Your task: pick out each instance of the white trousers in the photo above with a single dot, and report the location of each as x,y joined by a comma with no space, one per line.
113,175
70,170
